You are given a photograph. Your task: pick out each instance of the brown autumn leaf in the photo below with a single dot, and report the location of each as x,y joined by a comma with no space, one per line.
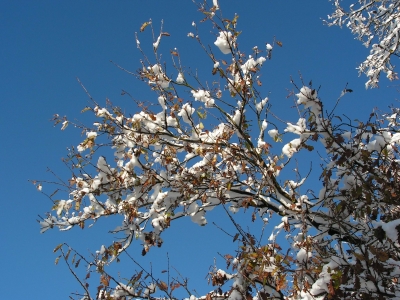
77,263
235,237
228,256
175,286
307,285
105,280
331,289
204,198
67,255
174,53
57,248
163,286
99,288
279,43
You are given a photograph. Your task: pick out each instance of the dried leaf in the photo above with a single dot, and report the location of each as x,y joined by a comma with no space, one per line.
331,290
105,280
144,25
77,263
57,248
85,109
228,256
175,286
235,237
163,286
67,255
138,276
359,256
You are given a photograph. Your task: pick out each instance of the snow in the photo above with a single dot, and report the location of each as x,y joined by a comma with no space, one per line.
161,79
180,79
157,43
290,148
303,255
215,4
64,125
186,112
261,104
203,96
225,41
273,133
390,229
161,100
237,118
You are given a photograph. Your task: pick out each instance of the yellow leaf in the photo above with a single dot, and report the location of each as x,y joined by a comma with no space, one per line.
85,109
144,25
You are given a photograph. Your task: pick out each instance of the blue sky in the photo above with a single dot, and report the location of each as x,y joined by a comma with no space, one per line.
47,44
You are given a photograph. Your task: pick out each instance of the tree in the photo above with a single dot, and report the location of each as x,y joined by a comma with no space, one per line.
343,237
373,21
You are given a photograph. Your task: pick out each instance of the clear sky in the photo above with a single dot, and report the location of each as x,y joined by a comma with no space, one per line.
45,45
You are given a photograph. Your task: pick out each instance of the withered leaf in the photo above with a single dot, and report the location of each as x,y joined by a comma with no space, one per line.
163,286
105,280
57,248
175,286
144,25
235,237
